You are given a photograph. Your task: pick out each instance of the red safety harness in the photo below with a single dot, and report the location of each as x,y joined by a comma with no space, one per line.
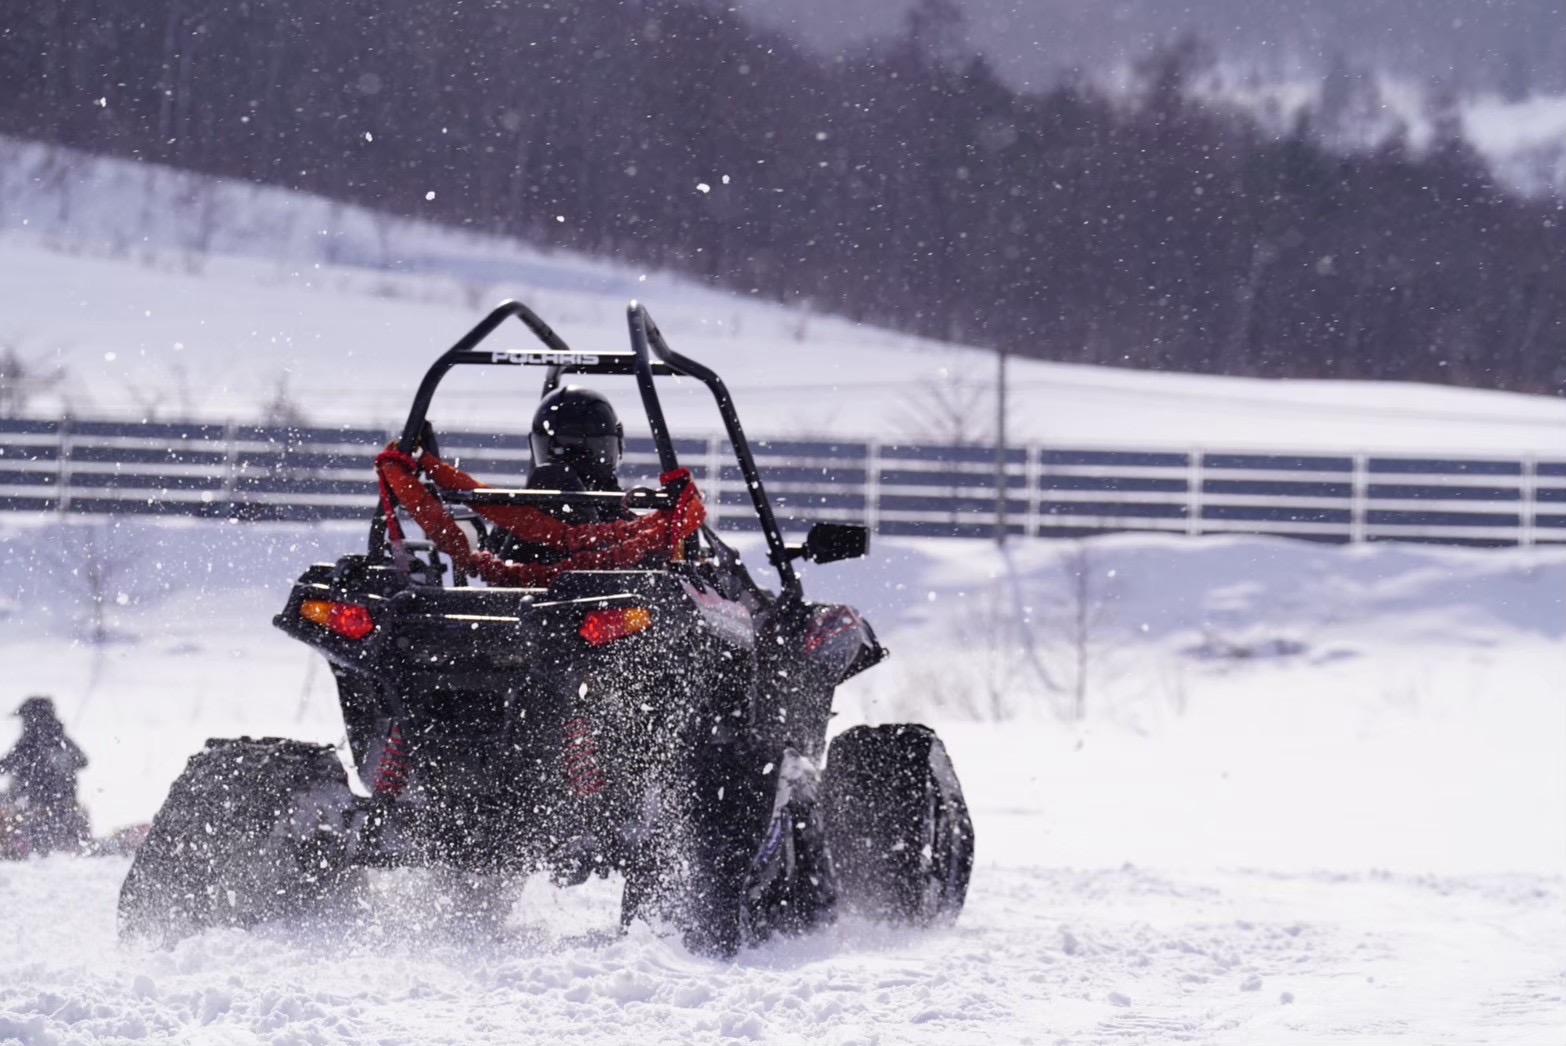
590,546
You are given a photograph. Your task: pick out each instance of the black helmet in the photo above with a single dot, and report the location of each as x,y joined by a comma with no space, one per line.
578,428
36,709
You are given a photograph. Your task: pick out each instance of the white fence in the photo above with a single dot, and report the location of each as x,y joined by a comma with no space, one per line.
260,472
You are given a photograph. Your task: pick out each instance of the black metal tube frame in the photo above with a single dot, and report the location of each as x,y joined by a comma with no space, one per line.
645,334
646,342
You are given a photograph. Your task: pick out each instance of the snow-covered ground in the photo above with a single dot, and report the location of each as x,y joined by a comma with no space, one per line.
1315,794
1318,796
1043,955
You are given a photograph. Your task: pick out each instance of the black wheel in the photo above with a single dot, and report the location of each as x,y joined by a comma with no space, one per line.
745,858
253,830
724,819
898,828
791,886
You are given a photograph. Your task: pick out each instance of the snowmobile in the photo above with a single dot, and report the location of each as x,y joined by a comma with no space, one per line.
664,720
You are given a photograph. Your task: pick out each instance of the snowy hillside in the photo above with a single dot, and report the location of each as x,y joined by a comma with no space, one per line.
142,292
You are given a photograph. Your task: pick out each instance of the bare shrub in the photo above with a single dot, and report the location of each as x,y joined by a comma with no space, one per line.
22,378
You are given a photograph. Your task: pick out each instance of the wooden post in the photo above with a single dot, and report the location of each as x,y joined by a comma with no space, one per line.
714,491
1193,494
62,466
872,486
1357,497
1033,463
1527,498
1000,448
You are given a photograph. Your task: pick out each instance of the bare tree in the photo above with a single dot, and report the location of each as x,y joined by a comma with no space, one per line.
21,379
799,327
993,639
152,212
99,565
1350,107
201,207
149,399
949,409
83,559
281,408
1054,644
939,30
10,163
56,175
385,225
91,561
953,410
1009,586
1082,610
185,397
332,248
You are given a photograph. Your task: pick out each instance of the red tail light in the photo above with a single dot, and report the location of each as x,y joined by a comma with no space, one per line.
602,626
346,619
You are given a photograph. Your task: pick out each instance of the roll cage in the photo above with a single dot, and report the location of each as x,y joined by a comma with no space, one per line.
650,357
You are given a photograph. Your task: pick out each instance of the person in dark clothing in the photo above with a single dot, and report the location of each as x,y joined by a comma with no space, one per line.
577,442
43,766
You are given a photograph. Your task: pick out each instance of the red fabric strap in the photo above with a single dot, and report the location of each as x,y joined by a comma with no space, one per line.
593,546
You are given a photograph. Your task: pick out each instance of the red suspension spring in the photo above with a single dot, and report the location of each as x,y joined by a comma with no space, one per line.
391,774
580,758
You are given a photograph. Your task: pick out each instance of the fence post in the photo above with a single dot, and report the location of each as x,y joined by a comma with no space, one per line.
714,500
873,486
1193,494
1032,463
1357,498
62,468
231,462
1527,496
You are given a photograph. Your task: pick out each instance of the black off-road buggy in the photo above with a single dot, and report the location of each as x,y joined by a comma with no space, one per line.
665,722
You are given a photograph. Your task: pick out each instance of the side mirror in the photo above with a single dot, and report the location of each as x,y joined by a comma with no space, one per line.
830,542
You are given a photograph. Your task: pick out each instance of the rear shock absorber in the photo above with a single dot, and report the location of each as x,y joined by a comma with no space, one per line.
580,758
391,772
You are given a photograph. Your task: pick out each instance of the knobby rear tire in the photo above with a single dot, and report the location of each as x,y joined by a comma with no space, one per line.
897,823
252,830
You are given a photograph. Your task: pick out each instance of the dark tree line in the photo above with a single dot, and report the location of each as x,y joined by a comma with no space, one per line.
907,186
